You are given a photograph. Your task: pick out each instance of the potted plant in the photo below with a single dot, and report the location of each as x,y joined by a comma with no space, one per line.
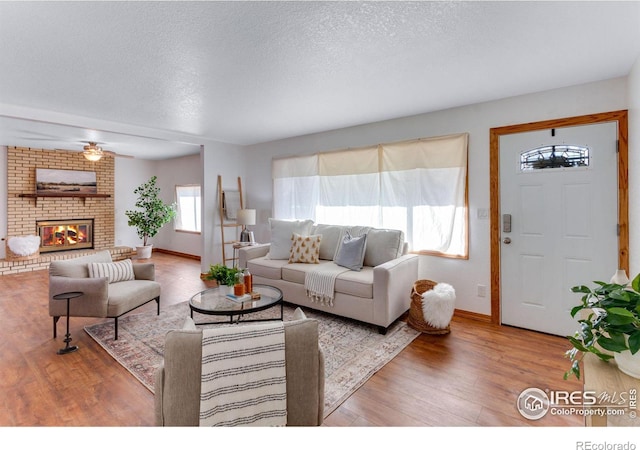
151,215
609,327
222,274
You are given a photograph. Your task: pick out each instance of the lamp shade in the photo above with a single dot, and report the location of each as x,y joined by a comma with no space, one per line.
246,217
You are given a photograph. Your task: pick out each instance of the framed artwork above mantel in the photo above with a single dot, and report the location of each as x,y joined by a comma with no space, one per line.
65,183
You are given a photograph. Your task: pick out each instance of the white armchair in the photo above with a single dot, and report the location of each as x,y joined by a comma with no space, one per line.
103,295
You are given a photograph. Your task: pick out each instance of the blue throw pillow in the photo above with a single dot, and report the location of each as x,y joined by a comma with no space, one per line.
350,253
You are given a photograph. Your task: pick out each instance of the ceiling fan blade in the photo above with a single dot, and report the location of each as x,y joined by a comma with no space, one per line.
116,155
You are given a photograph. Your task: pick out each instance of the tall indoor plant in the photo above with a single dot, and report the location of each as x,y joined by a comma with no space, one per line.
151,214
609,327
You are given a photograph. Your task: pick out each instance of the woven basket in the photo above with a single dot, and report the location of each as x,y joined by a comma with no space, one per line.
416,316
15,257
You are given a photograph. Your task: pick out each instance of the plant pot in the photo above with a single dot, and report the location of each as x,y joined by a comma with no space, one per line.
628,363
144,251
225,289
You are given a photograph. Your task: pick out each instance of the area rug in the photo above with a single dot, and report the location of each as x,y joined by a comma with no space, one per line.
353,351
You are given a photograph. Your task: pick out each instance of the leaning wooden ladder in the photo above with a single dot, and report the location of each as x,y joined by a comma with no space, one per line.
223,224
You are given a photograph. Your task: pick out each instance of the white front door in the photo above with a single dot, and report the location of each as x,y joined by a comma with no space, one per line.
563,223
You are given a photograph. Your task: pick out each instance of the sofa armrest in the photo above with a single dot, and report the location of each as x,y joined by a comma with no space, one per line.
392,283
92,304
251,252
158,395
144,271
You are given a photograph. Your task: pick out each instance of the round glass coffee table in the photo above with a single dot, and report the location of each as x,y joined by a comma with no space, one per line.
214,302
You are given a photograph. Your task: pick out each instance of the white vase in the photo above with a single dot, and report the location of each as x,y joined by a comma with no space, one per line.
144,251
620,277
628,363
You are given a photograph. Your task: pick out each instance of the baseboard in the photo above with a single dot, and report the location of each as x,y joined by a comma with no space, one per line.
171,252
472,315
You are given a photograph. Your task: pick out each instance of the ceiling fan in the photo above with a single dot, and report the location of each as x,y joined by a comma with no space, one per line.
93,152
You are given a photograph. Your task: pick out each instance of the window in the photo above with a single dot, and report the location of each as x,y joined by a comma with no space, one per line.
553,157
188,208
419,187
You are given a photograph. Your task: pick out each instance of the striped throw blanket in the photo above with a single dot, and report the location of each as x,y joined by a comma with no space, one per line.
243,376
320,283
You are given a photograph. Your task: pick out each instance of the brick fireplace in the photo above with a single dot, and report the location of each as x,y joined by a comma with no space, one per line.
63,235
24,210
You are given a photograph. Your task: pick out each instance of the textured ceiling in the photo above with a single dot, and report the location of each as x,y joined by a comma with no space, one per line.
249,72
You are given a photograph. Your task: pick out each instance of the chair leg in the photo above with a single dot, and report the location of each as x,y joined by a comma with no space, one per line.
158,302
116,329
55,329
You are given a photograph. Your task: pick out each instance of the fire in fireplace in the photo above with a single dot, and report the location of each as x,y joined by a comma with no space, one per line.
59,235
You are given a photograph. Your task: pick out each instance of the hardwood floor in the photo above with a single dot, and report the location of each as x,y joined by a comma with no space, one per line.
471,377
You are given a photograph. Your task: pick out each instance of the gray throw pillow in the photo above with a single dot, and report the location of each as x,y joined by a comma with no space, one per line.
350,253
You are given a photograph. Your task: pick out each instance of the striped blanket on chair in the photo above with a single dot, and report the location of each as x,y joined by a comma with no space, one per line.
243,376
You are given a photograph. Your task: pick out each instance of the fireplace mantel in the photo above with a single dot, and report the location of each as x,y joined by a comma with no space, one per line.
66,194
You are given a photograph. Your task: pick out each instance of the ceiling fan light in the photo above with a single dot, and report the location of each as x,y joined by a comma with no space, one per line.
92,155
92,152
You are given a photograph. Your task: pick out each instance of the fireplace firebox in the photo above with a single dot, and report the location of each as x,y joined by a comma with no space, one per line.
60,235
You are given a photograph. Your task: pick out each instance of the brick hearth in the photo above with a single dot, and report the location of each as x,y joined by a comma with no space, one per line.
22,212
41,262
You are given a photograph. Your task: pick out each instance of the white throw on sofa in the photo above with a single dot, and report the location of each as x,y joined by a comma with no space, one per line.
378,293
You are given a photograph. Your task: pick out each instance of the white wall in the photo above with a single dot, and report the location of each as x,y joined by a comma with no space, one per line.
228,161
129,174
634,168
477,120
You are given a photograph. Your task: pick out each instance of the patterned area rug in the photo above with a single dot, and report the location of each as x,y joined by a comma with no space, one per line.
353,351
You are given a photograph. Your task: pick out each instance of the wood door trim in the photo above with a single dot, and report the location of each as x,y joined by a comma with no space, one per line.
621,117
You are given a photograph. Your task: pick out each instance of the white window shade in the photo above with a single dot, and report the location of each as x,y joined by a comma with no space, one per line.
419,187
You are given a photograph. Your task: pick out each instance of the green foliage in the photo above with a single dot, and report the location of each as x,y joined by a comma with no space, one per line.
612,322
222,274
152,212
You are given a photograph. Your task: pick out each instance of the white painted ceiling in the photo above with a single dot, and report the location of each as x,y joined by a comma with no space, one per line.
156,79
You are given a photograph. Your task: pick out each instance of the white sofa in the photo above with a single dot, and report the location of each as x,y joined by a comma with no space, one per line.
377,294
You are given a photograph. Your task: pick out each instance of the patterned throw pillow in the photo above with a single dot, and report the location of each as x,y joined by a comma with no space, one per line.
115,271
305,249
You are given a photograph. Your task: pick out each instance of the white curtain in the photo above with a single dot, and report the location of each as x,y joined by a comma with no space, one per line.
416,186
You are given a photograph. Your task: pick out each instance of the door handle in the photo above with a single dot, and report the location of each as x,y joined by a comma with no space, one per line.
507,240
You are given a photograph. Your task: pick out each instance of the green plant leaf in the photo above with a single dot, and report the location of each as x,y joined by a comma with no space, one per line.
634,342
614,319
635,284
611,345
576,309
577,344
582,289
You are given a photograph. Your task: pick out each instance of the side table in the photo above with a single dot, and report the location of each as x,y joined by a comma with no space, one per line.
67,296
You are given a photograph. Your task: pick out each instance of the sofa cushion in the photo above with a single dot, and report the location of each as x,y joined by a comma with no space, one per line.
296,273
125,295
383,246
77,267
267,268
350,253
281,233
305,249
331,235
356,283
114,272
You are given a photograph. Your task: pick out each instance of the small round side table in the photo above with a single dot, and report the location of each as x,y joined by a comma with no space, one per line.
67,296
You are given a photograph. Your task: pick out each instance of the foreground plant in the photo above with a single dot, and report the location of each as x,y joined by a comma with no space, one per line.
612,323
